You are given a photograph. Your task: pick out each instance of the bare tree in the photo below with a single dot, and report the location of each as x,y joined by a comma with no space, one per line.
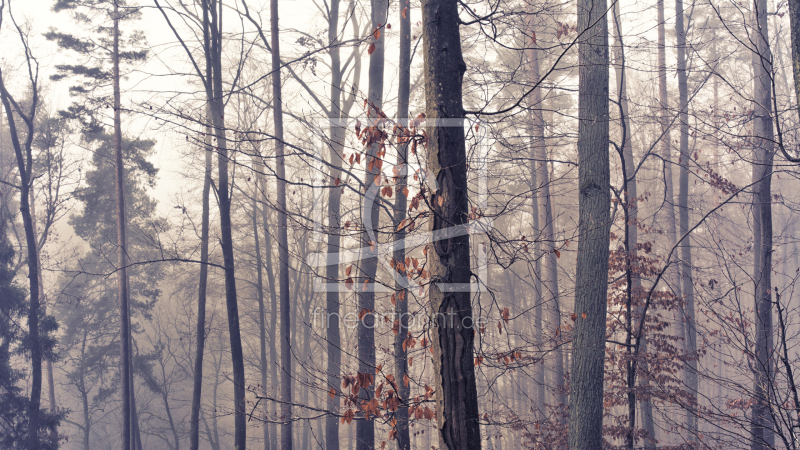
448,256
591,285
24,154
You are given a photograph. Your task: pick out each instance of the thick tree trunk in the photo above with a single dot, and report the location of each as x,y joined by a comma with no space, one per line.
449,256
591,282
761,428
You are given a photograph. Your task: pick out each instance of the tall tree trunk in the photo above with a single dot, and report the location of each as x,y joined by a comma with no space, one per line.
761,428
337,135
448,257
538,139
550,296
122,252
262,332
630,192
223,190
48,367
365,429
24,157
667,210
283,236
403,435
200,333
794,21
197,388
683,208
591,279
273,312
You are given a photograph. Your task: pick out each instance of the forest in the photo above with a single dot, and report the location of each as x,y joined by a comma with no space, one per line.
434,224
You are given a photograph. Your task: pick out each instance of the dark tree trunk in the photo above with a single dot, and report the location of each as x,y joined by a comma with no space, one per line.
449,256
794,20
197,388
283,236
634,282
24,155
200,333
400,204
223,190
667,210
337,136
365,429
761,428
687,287
591,282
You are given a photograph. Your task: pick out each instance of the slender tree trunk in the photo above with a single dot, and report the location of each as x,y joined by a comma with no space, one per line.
400,204
794,21
683,208
122,251
51,390
667,210
448,257
273,312
262,332
283,236
223,193
197,388
761,428
631,234
549,258
591,282
332,302
201,300
365,429
538,139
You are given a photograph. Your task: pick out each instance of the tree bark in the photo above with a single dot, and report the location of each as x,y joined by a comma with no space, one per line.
197,388
283,236
262,331
200,334
400,204
685,266
630,193
337,136
24,155
538,139
591,282
761,428
122,251
223,190
452,328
